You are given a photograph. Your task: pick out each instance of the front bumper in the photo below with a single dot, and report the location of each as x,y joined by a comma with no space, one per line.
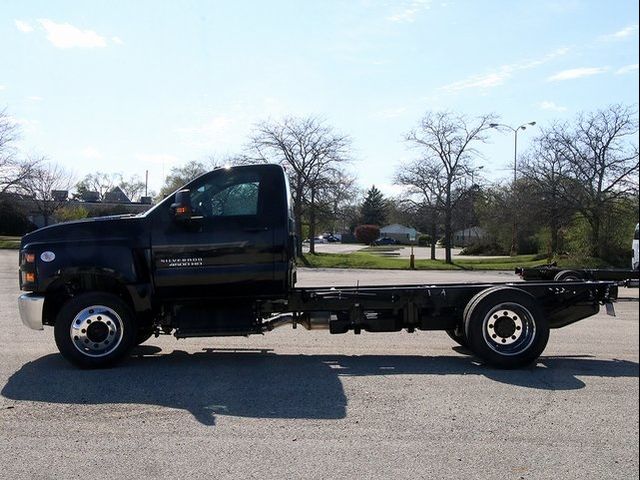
30,307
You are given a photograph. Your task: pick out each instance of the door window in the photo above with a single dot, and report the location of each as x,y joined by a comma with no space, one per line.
227,196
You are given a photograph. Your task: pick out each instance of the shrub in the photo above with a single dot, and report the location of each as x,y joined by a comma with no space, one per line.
367,233
424,240
105,211
69,213
484,249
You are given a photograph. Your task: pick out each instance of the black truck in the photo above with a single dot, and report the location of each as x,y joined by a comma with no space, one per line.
217,258
627,277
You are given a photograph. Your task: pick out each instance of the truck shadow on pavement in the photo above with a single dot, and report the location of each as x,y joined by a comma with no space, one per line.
262,384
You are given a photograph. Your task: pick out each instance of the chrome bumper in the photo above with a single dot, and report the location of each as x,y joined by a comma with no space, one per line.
30,307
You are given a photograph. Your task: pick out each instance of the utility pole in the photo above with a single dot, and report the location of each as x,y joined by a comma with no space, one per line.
514,231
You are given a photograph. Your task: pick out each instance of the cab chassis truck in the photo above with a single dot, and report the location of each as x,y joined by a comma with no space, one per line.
624,277
217,258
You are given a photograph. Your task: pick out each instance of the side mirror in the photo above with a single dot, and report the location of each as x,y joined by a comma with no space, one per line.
181,207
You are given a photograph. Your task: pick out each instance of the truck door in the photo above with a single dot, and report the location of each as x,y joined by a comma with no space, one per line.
227,247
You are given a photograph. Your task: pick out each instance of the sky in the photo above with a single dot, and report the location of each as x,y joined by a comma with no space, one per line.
130,87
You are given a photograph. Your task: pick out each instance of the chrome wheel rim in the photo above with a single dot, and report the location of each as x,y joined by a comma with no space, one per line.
509,329
96,331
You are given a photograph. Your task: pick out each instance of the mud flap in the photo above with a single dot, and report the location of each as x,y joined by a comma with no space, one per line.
610,310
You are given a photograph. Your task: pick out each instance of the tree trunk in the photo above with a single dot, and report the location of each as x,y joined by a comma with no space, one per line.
434,232
297,216
447,227
554,231
596,249
312,223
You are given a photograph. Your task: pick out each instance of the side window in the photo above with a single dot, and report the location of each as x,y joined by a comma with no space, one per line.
241,199
227,196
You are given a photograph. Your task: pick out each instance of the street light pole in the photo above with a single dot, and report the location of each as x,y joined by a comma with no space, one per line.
514,232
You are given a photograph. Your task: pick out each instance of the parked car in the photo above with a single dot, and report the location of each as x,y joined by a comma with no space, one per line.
385,241
331,238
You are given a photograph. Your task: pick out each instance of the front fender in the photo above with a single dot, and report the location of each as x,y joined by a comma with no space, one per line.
113,259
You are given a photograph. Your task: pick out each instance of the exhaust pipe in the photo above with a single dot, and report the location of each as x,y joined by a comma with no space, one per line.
310,321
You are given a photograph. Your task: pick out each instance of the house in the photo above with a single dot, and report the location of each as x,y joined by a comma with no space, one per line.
469,236
400,232
116,196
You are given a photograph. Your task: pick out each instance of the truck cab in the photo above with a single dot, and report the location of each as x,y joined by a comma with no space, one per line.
227,233
188,264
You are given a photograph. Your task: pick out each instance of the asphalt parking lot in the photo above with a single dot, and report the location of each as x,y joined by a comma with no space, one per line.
297,404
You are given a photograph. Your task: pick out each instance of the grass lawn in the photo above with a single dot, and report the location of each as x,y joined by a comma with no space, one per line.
368,260
10,242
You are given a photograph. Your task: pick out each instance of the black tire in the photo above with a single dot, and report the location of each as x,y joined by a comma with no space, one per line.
459,339
567,276
506,327
95,330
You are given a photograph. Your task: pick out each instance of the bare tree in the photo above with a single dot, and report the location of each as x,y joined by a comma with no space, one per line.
179,176
601,153
336,198
47,178
99,182
425,183
13,171
133,187
546,171
312,152
450,139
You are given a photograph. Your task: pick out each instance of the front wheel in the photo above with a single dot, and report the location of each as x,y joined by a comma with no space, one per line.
506,327
95,330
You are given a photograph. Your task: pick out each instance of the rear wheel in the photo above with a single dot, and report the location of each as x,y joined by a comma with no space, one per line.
506,327
567,276
95,330
458,337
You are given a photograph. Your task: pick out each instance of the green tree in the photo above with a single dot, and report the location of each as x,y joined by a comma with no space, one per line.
178,176
374,208
601,154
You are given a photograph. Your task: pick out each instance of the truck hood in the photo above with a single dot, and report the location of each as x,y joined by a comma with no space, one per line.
128,228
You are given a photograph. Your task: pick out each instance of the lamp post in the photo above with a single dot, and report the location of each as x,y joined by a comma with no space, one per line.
472,172
514,236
